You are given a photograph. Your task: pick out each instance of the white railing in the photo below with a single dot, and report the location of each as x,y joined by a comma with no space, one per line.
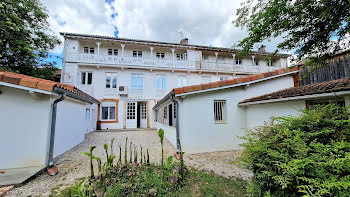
236,68
166,63
132,61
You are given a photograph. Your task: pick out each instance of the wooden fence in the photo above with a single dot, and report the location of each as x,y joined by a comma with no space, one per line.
334,69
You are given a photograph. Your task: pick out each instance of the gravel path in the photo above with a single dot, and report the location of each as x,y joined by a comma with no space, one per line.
73,164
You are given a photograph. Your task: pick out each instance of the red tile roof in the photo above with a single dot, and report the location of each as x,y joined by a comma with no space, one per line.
41,84
207,86
317,88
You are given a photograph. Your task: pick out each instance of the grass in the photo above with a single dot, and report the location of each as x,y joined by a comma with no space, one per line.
155,180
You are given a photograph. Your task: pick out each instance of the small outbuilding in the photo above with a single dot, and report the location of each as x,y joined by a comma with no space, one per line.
207,117
40,119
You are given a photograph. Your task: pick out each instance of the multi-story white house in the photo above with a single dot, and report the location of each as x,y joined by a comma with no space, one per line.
128,76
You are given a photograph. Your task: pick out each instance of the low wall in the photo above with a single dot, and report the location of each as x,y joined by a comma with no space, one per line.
169,132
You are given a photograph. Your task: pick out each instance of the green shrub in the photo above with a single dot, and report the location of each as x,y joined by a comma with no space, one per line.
307,155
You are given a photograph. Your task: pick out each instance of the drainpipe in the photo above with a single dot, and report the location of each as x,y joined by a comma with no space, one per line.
177,124
52,169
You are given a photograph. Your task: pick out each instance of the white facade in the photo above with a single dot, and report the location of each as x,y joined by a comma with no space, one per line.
147,70
199,132
25,119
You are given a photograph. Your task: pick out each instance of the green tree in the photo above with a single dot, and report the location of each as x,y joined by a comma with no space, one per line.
307,26
26,38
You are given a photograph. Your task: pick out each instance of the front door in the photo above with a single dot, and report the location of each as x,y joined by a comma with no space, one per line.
131,118
143,123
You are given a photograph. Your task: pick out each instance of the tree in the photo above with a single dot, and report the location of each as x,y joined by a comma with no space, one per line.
314,28
26,38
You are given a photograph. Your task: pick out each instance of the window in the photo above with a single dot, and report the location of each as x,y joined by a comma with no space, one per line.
205,58
90,50
221,59
131,111
160,55
223,78
137,53
219,111
113,52
143,111
256,62
111,80
161,82
206,79
86,78
136,81
238,61
165,112
181,81
87,114
108,111
181,56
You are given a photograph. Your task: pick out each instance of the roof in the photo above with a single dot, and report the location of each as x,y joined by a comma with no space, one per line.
312,89
235,81
46,85
227,83
77,35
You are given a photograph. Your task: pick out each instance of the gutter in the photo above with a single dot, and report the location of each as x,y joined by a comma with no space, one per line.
61,91
52,169
331,94
178,145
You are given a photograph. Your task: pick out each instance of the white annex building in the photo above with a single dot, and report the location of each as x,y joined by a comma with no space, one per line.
129,76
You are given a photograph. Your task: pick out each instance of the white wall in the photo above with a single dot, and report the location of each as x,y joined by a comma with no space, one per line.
24,121
71,125
199,133
169,132
347,100
260,114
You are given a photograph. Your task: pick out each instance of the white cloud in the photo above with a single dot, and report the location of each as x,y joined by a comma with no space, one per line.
205,22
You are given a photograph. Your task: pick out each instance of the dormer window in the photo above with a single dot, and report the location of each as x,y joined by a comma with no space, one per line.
90,50
182,56
238,61
137,53
113,52
160,55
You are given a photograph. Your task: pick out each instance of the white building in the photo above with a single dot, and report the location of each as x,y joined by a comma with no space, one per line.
32,131
213,116
128,76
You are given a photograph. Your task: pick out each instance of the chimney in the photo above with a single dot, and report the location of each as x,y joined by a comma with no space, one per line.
184,41
262,49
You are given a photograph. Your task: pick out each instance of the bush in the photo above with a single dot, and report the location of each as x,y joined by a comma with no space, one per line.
307,155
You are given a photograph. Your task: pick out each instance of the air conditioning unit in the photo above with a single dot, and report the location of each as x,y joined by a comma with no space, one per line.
123,90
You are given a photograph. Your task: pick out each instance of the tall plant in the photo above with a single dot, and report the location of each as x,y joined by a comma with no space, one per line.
126,150
91,156
161,136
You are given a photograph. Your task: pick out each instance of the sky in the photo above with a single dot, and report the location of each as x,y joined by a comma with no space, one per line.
204,22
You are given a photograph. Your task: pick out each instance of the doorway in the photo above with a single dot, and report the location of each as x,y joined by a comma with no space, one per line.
170,114
136,114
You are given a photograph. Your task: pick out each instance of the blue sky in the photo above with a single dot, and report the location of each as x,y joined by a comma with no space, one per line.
206,23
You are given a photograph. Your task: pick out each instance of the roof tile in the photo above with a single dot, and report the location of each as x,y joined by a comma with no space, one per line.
43,85
28,82
179,90
13,79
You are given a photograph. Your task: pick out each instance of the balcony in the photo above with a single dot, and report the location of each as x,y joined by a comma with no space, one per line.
127,61
166,63
242,68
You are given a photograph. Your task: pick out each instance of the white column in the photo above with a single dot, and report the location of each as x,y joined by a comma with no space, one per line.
151,48
98,47
270,63
173,51
122,45
234,58
216,57
253,58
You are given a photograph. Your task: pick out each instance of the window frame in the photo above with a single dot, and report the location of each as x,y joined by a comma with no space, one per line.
137,54
138,76
113,52
181,56
108,105
220,111
86,77
112,77
238,61
162,84
160,55
89,50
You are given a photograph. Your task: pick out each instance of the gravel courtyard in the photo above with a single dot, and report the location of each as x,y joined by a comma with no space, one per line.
73,164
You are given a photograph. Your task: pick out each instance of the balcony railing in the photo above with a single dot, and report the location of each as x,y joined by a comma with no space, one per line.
166,63
132,61
235,67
